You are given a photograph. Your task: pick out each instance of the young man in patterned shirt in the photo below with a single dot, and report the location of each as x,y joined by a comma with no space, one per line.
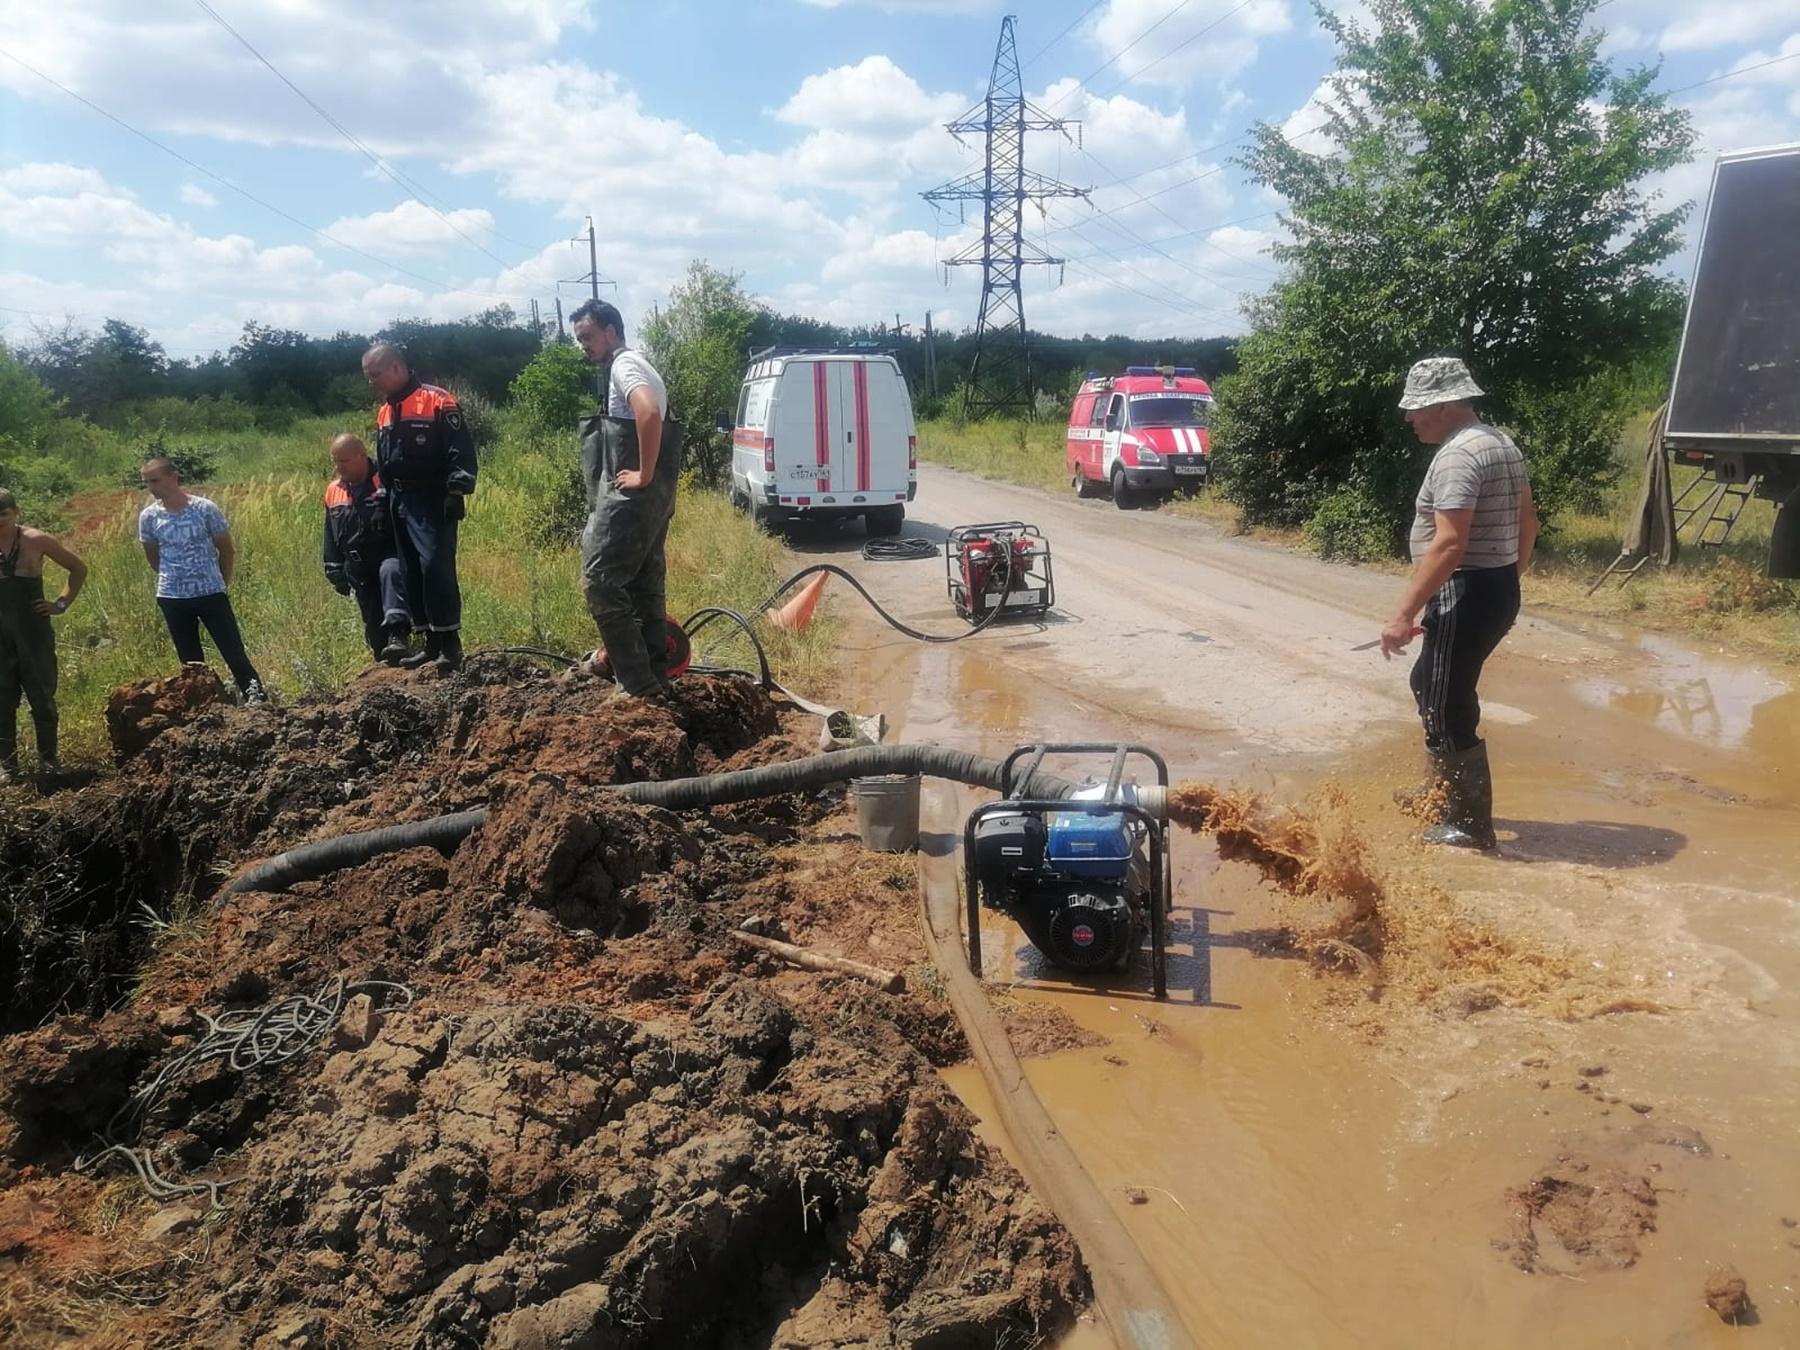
1473,532
188,544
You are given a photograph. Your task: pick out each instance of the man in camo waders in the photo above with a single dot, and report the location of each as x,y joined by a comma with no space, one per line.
630,459
27,642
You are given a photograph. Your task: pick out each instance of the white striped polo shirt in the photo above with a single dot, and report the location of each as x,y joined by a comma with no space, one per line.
1477,469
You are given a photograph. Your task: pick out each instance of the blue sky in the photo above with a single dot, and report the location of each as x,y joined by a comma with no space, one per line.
786,140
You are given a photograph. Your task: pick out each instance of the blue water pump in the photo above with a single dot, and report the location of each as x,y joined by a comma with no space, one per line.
1085,876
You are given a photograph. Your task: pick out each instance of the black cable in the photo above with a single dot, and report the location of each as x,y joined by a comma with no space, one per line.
700,618
539,651
899,550
1003,558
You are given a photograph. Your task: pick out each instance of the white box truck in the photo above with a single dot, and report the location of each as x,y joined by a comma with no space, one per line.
823,434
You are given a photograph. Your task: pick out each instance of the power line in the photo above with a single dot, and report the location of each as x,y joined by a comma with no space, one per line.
1733,74
251,196
1060,36
1116,55
1182,46
406,184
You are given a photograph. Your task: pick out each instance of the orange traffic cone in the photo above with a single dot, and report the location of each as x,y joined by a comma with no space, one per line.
797,614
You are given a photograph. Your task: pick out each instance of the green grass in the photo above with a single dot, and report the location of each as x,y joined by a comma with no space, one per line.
306,640
1718,594
1028,453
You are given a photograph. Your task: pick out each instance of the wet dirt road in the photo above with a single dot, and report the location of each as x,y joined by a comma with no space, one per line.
1619,989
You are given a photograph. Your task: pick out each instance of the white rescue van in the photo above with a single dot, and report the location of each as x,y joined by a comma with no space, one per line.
823,434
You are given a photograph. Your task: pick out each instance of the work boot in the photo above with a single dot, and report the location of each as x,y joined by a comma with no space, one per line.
395,649
434,647
255,696
1469,799
623,642
450,653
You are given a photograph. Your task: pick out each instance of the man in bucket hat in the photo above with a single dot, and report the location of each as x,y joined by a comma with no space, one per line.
1472,536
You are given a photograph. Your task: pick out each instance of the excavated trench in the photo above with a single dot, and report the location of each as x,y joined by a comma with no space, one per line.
599,1120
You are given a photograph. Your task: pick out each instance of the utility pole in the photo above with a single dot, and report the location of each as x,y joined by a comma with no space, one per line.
559,322
592,277
930,358
1000,375
537,324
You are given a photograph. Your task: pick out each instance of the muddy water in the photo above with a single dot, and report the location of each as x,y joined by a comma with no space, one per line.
1316,1168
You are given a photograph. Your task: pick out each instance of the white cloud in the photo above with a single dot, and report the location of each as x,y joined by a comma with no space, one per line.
1157,45
411,227
909,6
52,178
1724,22
194,195
873,95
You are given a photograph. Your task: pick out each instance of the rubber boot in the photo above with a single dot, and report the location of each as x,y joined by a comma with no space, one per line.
1469,807
48,765
450,653
631,666
656,647
434,646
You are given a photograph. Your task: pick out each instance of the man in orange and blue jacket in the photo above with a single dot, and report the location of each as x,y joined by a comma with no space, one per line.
426,455
360,558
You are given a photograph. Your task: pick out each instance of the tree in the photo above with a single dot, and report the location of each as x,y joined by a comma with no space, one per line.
554,391
27,407
697,343
1483,195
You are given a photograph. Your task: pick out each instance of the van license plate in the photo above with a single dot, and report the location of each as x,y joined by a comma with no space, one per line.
1190,468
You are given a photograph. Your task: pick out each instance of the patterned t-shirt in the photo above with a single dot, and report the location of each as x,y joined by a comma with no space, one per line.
187,561
1478,469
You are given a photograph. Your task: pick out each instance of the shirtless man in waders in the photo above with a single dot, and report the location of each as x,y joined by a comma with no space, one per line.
27,642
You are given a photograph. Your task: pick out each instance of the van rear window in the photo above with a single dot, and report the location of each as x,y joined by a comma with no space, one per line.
754,408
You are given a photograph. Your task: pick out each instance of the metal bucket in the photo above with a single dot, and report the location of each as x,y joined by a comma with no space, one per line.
887,812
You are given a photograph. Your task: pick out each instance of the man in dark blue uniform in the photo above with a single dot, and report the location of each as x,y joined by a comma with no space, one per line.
426,456
360,558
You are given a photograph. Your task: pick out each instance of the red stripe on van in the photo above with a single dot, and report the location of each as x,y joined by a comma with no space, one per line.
821,426
862,427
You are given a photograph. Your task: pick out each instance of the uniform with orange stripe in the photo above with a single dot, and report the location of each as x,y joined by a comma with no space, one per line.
359,549
427,460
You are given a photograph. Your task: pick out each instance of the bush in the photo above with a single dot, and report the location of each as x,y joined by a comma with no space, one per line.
1350,526
1737,589
346,393
182,415
557,518
194,463
478,411
28,410
554,391
41,485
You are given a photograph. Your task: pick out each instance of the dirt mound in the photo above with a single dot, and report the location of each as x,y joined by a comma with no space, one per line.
1595,1213
231,782
138,713
1591,1209
599,1121
1728,1296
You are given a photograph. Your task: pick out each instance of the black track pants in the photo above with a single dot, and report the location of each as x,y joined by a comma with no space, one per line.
1463,624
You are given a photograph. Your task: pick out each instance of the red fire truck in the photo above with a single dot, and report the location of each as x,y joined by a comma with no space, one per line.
1141,435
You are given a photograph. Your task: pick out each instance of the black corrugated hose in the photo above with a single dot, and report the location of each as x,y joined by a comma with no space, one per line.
311,861
911,549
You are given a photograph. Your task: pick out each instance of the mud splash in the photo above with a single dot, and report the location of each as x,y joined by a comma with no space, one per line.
600,1121
1401,937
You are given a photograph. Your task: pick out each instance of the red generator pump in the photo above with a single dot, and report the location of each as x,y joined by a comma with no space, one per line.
1002,567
